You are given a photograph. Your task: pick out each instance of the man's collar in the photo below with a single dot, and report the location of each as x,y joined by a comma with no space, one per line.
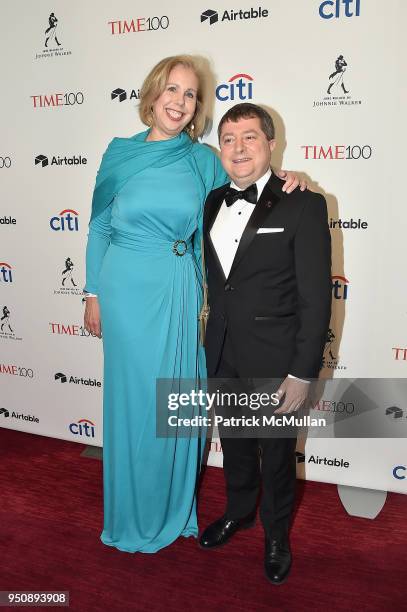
261,182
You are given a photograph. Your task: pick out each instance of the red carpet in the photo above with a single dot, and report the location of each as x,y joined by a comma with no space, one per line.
51,517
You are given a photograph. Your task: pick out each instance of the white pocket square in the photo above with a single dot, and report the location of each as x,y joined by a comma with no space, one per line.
269,230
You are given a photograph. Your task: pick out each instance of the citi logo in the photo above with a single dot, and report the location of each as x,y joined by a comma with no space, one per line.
238,87
340,286
83,427
5,273
253,13
399,472
339,8
88,382
121,94
56,160
400,354
4,412
67,220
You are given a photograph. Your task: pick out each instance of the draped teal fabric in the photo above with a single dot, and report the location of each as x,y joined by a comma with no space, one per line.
126,157
148,195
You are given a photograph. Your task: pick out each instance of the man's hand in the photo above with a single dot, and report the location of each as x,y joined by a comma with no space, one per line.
291,181
92,316
295,391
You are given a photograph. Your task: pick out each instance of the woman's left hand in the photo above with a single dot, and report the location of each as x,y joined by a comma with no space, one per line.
292,181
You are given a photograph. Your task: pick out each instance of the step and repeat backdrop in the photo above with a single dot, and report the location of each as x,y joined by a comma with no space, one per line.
329,71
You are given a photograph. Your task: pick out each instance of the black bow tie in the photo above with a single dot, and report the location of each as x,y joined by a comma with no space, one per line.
249,194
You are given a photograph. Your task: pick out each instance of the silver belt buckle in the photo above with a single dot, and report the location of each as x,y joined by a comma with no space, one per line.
176,245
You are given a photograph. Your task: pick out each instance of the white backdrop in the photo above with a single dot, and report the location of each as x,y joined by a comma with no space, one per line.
63,103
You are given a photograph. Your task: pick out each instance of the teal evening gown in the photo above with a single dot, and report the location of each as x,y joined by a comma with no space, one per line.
148,195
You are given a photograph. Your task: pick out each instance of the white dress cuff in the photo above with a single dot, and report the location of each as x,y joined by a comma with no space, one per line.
300,379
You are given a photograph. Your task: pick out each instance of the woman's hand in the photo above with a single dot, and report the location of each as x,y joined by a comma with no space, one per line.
291,181
92,316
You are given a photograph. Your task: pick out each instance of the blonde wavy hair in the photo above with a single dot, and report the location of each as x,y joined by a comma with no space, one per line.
155,82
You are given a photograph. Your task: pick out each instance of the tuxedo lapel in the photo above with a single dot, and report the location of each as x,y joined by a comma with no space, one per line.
268,199
212,208
214,205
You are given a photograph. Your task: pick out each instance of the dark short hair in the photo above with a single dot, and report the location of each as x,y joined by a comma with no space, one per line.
246,110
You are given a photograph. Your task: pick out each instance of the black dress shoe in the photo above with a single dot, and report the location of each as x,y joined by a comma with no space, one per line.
220,532
277,560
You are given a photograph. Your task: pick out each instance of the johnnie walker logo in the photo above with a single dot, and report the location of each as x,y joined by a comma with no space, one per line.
52,45
68,284
7,329
338,92
330,359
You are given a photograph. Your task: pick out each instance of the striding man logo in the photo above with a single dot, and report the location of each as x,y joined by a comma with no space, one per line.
67,272
336,78
51,31
5,320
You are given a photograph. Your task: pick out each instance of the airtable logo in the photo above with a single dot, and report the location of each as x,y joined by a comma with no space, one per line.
209,15
66,220
20,416
347,224
230,15
238,87
57,160
394,412
120,94
8,220
41,159
87,382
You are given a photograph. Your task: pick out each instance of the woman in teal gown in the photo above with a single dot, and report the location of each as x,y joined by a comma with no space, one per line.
143,264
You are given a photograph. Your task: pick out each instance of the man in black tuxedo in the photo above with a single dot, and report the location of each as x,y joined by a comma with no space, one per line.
268,260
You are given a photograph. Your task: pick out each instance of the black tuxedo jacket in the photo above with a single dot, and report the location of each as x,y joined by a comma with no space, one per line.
276,302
